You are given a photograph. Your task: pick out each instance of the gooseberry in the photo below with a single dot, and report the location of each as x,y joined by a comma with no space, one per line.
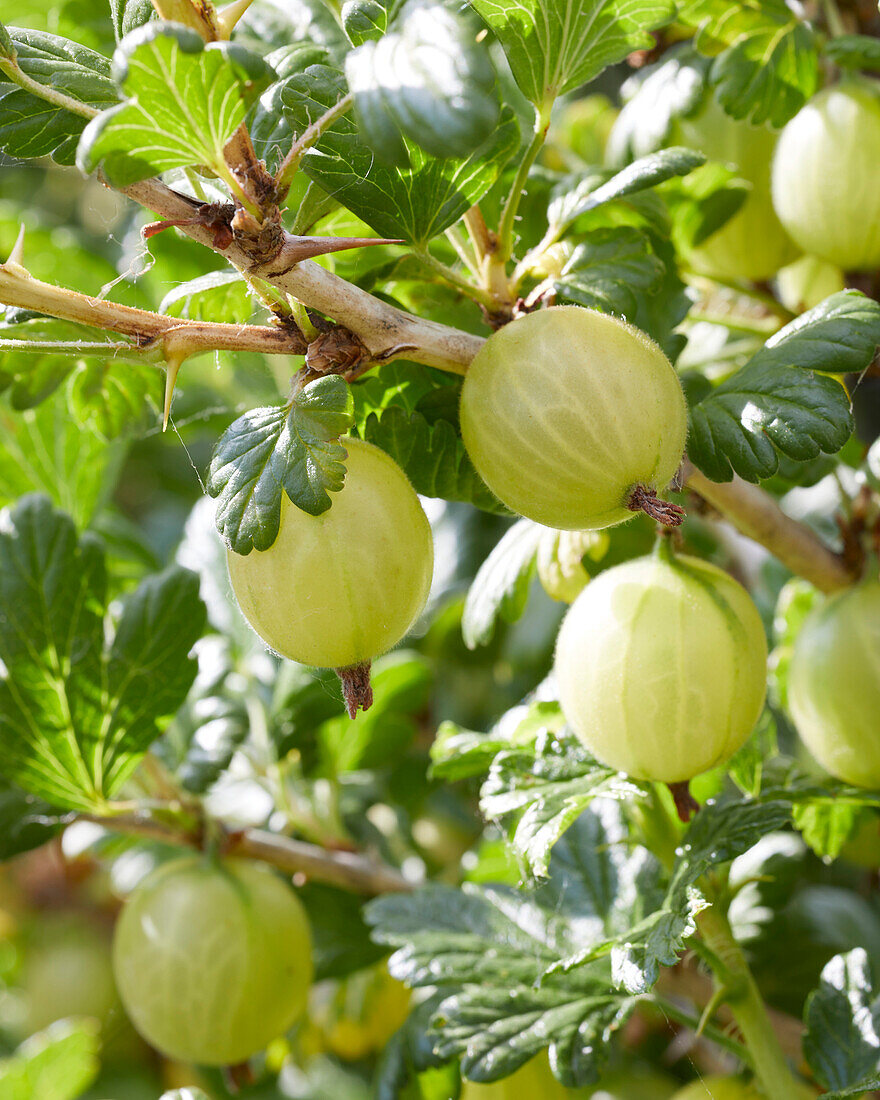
825,175
212,959
834,684
336,590
753,243
661,667
574,419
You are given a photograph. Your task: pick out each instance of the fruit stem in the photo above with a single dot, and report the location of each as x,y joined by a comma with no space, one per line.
643,499
237,1077
685,803
357,691
747,1005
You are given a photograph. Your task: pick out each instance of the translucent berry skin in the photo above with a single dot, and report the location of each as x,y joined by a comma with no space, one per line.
212,960
753,243
341,588
825,175
834,684
661,666
566,410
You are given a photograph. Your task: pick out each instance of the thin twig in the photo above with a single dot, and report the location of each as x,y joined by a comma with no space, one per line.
348,870
756,514
290,164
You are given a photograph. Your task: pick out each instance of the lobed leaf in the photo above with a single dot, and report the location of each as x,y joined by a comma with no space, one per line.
78,711
288,448
32,127
555,45
416,203
56,1064
429,82
766,64
183,102
843,1024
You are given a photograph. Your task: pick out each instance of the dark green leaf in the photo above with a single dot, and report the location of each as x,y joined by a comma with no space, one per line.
430,82
577,195
31,126
416,203
766,66
78,711
269,128
610,270
288,448
184,101
431,455
501,587
764,409
26,822
340,939
843,1020
854,51
839,335
555,45
365,20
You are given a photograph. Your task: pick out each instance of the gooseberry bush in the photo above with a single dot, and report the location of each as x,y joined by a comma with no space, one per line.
439,599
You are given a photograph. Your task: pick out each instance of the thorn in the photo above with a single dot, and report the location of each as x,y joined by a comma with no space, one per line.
227,17
172,366
16,256
303,248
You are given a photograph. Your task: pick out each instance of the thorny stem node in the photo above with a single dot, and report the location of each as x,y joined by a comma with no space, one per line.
357,691
643,499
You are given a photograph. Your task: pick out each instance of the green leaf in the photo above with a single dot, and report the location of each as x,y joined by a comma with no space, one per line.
840,335
26,822
610,270
128,15
184,101
216,296
766,66
764,409
548,786
45,450
719,833
843,1020
854,51
430,82
116,398
56,1064
431,454
365,20
555,45
501,586
769,406
653,98
32,127
703,202
826,826
488,947
290,448
458,753
416,203
78,711
579,194
270,131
